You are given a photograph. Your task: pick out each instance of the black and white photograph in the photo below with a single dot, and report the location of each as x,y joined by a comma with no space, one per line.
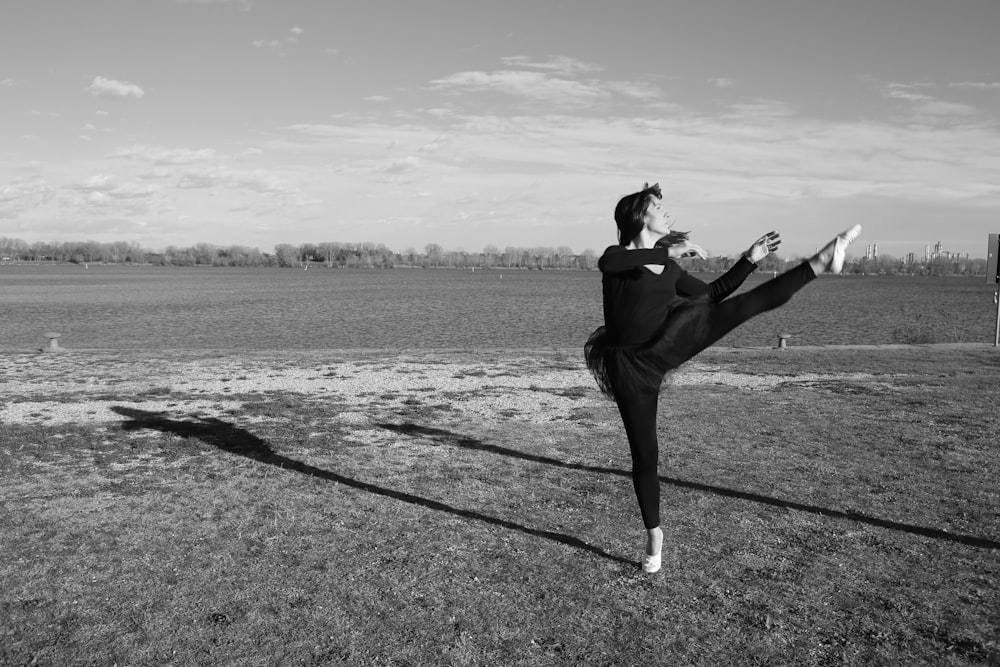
528,333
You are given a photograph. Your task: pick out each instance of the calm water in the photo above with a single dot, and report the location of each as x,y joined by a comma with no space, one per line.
220,308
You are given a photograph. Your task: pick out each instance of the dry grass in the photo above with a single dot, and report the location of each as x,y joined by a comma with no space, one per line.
821,506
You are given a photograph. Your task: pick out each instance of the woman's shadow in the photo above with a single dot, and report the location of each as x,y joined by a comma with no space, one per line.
455,440
238,441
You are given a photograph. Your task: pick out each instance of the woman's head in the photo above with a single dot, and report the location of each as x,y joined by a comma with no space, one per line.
630,213
642,210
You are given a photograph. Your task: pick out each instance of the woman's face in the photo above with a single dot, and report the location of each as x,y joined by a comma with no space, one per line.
656,218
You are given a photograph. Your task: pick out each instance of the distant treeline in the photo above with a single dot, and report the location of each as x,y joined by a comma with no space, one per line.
376,255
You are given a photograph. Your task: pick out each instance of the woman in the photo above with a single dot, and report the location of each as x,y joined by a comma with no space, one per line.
657,316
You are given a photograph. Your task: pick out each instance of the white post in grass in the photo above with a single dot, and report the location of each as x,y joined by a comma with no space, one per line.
993,277
996,332
53,343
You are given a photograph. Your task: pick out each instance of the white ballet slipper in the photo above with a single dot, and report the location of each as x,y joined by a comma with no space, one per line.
650,564
831,258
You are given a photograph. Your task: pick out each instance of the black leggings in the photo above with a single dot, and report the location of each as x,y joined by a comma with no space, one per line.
638,409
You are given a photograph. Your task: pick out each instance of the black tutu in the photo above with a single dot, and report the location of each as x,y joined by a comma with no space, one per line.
624,370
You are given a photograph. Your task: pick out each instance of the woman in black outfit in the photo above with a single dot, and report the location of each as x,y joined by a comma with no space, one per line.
657,316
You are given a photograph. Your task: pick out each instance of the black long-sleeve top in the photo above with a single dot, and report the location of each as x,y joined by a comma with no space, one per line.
637,301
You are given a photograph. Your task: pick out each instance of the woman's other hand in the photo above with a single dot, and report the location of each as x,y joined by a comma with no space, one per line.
686,249
763,247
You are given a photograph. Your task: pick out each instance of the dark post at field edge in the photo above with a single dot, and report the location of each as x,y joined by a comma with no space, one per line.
993,276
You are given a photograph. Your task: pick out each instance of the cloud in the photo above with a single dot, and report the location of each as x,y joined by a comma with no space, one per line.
245,3
636,90
103,192
531,85
111,88
260,182
159,155
202,179
376,98
564,65
924,107
722,82
976,85
408,163
434,145
277,46
7,83
560,81
24,193
273,44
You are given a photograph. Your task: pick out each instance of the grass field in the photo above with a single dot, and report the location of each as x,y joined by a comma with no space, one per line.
821,506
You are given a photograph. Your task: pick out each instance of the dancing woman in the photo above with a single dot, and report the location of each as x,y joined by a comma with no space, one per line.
657,316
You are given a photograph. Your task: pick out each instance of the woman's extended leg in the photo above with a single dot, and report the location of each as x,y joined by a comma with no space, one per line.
713,321
734,311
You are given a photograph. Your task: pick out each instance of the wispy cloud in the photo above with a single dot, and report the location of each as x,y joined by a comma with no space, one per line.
114,89
24,192
530,85
561,81
160,155
7,83
560,64
926,107
637,90
244,3
108,193
976,85
277,46
401,165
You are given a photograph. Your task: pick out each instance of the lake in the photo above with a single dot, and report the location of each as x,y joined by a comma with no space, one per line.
122,307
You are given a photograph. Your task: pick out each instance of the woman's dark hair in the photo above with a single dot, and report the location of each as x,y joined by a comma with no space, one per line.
630,211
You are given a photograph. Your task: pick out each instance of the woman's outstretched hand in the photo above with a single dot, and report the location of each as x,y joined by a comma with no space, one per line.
763,247
686,249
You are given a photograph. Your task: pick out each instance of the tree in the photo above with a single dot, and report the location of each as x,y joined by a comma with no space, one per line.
491,255
434,253
286,254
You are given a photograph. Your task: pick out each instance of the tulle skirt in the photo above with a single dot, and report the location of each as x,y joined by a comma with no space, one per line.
623,370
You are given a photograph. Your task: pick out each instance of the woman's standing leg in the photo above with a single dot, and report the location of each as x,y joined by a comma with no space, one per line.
638,411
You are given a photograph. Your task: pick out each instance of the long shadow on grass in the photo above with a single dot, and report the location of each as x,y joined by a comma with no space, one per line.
238,441
457,440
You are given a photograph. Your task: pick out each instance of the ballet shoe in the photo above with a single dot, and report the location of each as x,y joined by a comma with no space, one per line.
831,258
650,564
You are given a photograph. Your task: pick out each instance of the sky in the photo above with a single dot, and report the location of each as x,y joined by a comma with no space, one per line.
519,123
